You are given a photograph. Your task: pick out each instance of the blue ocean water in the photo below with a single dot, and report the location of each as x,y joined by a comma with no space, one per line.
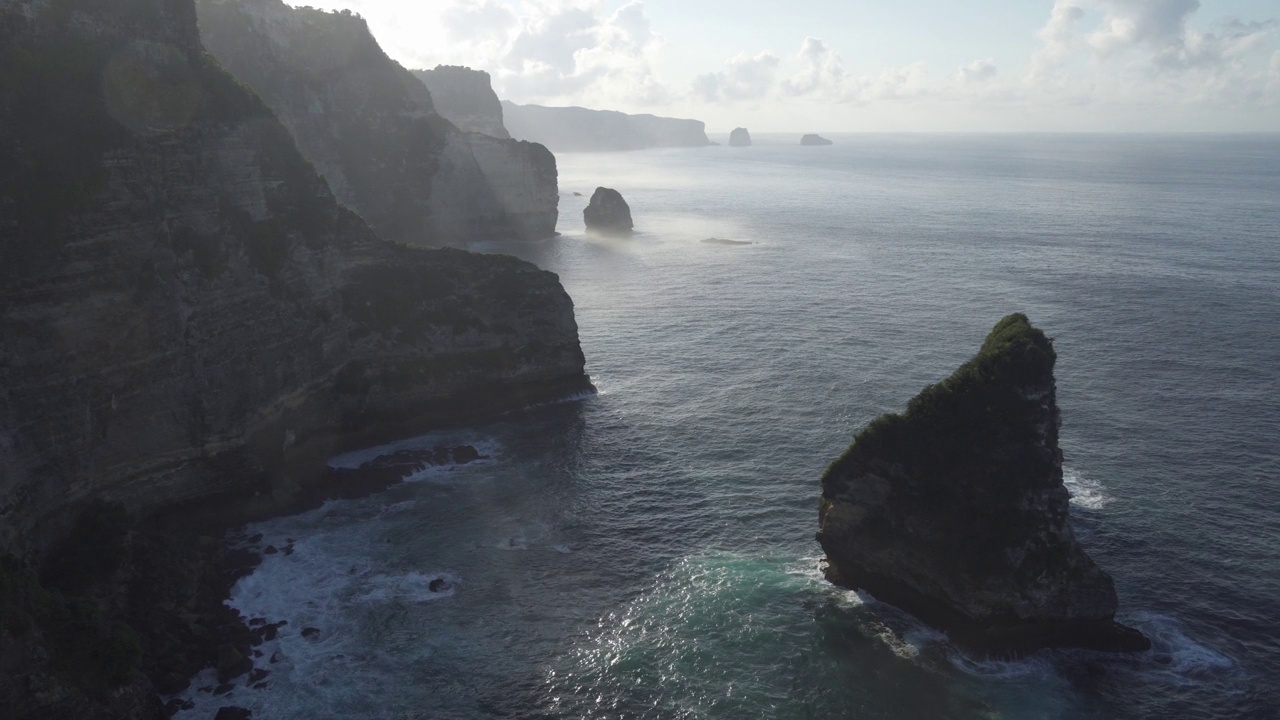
649,553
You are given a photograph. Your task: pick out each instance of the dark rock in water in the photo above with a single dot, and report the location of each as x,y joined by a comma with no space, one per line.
725,241
955,510
577,194
815,140
608,212
464,454
438,585
740,138
311,633
232,712
232,663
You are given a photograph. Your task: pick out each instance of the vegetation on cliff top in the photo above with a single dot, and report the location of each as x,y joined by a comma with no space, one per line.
981,403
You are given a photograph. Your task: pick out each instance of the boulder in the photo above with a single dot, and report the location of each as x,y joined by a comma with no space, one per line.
740,138
608,212
815,140
955,510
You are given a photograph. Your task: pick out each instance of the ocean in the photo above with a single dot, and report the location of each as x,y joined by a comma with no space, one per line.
648,552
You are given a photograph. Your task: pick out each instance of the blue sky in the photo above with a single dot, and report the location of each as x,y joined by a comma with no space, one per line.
857,65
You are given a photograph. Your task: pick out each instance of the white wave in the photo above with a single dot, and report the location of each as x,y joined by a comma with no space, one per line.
1085,491
1174,656
412,587
1031,666
354,460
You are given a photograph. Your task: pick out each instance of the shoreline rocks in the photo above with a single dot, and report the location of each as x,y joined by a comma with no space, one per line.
955,511
608,212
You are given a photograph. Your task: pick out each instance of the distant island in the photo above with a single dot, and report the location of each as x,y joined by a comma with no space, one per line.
815,140
740,137
576,129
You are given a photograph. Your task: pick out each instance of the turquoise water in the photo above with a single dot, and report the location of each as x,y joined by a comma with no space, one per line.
648,552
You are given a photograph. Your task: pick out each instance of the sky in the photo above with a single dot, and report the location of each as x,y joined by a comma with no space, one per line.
864,65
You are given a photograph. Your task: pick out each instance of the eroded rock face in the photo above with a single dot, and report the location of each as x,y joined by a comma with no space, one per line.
372,130
187,312
740,138
955,510
608,212
815,140
465,97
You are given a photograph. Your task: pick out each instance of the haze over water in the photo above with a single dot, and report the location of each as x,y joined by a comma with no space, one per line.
649,552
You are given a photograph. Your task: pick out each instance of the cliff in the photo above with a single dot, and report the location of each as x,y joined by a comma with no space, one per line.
955,510
371,129
187,312
575,129
465,97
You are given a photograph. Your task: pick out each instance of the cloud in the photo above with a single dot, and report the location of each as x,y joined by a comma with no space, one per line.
745,77
977,72
896,83
1155,32
822,68
1275,65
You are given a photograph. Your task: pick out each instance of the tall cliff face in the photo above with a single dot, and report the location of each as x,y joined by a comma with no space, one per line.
186,312
575,129
465,97
955,510
371,129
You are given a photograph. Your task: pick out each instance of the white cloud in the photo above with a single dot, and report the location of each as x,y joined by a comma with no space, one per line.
896,83
822,68
1058,39
1275,64
745,77
977,72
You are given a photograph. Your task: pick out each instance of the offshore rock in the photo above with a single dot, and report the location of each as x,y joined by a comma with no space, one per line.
188,315
740,138
465,97
608,212
815,140
955,510
372,130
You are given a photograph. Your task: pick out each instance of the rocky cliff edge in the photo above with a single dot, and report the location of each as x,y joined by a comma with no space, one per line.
185,311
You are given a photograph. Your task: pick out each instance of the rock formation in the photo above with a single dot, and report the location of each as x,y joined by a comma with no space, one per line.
740,138
370,128
815,140
955,510
188,313
575,129
607,212
465,97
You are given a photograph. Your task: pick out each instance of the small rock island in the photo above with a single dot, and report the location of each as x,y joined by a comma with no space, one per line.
608,212
812,139
740,138
955,510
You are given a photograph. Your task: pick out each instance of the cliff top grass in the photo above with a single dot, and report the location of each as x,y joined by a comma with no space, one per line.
963,410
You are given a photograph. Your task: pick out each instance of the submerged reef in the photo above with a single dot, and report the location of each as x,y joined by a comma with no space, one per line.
956,512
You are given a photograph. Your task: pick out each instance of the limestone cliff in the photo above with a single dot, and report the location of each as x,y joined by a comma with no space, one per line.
371,129
185,311
575,129
465,97
955,510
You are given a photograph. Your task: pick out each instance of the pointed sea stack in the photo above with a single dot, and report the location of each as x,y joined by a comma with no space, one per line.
608,212
955,511
740,138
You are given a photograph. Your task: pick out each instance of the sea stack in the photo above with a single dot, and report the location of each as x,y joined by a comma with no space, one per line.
740,138
955,511
608,212
815,140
